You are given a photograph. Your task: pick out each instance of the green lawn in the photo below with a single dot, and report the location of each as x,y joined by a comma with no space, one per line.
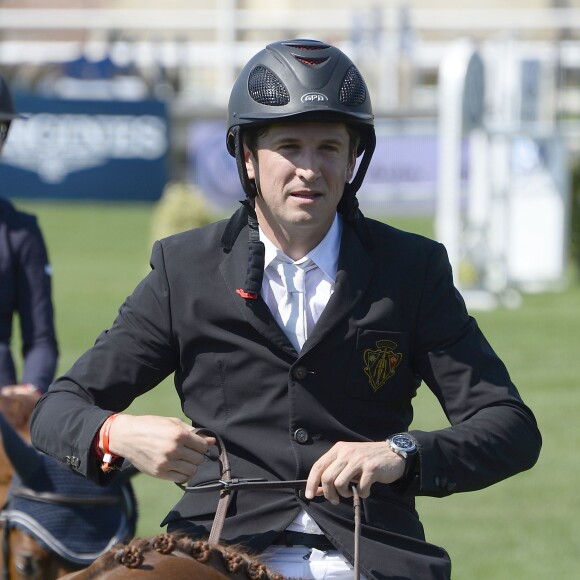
525,528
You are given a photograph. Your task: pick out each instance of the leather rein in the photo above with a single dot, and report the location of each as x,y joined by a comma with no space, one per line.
226,484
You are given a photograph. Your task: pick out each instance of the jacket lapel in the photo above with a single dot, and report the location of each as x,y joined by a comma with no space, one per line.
355,270
233,270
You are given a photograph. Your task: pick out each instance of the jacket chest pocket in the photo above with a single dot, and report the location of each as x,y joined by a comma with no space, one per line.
380,368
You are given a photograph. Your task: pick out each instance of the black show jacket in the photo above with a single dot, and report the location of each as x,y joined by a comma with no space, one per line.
394,320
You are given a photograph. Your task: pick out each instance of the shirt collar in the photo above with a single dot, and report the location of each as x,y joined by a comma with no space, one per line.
324,255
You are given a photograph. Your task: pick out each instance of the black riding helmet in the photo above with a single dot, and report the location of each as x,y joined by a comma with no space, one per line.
300,80
297,80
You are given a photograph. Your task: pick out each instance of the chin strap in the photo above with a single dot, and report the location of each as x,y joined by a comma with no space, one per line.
255,274
348,205
248,185
256,250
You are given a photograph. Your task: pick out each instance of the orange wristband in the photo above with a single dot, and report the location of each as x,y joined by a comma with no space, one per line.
108,457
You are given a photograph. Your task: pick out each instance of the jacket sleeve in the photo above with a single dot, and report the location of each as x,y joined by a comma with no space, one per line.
492,434
34,305
129,359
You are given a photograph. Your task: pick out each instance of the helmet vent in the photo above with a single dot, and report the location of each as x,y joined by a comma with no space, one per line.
310,46
353,91
266,88
310,61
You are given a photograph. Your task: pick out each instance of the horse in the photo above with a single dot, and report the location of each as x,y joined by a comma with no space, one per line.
177,557
17,410
53,522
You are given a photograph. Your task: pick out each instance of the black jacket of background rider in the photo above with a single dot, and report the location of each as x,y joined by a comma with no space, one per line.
25,291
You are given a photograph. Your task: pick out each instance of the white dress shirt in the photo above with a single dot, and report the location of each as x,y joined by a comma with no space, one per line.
319,288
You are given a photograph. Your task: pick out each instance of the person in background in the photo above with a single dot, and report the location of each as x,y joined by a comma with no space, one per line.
25,289
299,331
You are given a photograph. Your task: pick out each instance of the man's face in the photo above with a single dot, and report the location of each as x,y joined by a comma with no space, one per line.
300,170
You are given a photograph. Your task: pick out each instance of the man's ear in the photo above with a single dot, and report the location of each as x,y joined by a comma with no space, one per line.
351,166
249,161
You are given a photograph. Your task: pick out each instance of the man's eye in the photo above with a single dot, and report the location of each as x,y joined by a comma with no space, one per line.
288,147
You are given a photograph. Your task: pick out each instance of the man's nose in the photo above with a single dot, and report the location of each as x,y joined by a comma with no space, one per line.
308,167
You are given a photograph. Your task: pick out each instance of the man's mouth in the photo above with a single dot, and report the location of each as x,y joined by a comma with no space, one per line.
305,194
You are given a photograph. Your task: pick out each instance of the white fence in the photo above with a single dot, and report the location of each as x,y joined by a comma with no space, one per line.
399,51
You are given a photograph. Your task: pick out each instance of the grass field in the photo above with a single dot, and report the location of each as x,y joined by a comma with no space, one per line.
527,527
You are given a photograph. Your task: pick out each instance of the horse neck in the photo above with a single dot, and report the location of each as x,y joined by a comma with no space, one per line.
137,559
6,473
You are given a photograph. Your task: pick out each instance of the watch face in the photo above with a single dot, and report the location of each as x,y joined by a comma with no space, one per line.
404,442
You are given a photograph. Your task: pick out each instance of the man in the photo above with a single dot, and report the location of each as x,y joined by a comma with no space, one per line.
313,382
25,289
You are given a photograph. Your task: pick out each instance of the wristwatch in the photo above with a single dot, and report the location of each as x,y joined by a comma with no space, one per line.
405,446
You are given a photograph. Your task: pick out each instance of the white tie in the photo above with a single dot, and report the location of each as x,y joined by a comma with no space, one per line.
293,306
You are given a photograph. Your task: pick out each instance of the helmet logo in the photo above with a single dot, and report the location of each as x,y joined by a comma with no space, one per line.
313,98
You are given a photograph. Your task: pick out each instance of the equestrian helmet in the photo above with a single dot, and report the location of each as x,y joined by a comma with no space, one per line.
301,80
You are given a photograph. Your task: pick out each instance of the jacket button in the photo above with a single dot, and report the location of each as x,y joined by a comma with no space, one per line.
75,462
301,436
300,373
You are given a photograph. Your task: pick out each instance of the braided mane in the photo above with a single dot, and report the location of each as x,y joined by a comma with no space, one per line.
134,554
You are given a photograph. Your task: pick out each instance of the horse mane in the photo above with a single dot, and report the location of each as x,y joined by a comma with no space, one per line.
132,555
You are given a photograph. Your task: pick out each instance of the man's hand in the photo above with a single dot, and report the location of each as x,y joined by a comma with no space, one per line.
164,447
363,463
17,402
26,389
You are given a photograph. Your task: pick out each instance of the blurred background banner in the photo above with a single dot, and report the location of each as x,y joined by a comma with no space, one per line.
87,149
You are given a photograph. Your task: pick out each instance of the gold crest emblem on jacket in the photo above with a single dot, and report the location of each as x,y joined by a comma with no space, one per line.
380,363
